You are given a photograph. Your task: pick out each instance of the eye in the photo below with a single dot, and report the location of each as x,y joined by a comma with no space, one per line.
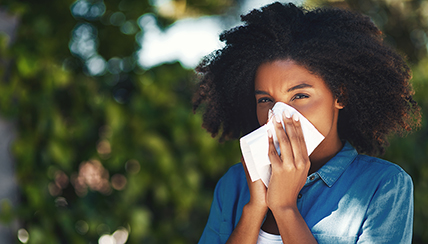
264,100
299,96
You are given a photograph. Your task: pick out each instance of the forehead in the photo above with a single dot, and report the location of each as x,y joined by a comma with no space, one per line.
283,74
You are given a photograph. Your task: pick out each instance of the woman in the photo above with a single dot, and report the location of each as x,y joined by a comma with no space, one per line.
332,67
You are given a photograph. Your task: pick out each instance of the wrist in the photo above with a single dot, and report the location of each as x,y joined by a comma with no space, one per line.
255,208
249,224
284,209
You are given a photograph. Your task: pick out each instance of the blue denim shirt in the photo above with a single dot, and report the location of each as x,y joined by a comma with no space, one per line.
353,198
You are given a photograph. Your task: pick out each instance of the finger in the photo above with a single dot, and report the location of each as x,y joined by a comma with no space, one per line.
270,114
299,131
283,140
272,153
295,134
292,134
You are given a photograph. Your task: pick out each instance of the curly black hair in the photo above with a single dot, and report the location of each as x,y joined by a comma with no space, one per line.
344,48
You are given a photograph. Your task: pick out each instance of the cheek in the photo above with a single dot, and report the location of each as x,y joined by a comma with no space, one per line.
262,115
321,118
322,124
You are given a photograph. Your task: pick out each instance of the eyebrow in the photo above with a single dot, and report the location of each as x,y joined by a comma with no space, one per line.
299,86
259,92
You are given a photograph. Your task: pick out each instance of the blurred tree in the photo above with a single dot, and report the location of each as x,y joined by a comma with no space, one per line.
8,189
105,149
404,23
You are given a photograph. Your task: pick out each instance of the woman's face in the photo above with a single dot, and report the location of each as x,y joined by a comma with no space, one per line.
284,81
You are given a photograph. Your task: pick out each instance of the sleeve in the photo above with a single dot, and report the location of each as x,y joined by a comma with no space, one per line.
390,213
211,232
220,221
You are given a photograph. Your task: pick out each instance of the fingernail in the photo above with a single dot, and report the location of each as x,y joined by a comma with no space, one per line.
278,118
269,133
296,117
287,114
270,114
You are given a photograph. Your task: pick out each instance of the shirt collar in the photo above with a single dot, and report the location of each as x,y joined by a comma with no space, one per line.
335,167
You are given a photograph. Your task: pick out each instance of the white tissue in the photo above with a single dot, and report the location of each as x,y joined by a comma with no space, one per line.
255,145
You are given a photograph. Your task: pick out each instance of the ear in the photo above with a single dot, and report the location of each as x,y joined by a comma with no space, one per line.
341,99
338,104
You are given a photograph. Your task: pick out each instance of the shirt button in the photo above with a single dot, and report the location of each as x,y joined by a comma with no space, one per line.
312,177
299,196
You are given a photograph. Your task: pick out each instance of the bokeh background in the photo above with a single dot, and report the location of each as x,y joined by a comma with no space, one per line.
98,142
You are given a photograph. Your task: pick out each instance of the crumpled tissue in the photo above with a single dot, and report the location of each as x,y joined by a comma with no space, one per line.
254,146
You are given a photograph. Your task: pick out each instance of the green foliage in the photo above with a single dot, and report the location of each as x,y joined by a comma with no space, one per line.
97,155
122,151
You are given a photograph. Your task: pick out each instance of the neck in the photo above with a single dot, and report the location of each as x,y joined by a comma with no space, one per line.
325,151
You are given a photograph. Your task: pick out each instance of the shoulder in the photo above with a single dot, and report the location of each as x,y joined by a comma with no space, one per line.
232,194
237,170
233,180
389,214
378,166
232,188
381,174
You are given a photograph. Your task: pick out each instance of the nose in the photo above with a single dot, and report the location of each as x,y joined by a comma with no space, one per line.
264,118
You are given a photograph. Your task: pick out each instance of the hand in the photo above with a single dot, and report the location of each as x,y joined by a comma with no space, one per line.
257,190
289,171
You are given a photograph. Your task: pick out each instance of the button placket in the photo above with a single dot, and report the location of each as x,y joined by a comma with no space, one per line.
300,198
